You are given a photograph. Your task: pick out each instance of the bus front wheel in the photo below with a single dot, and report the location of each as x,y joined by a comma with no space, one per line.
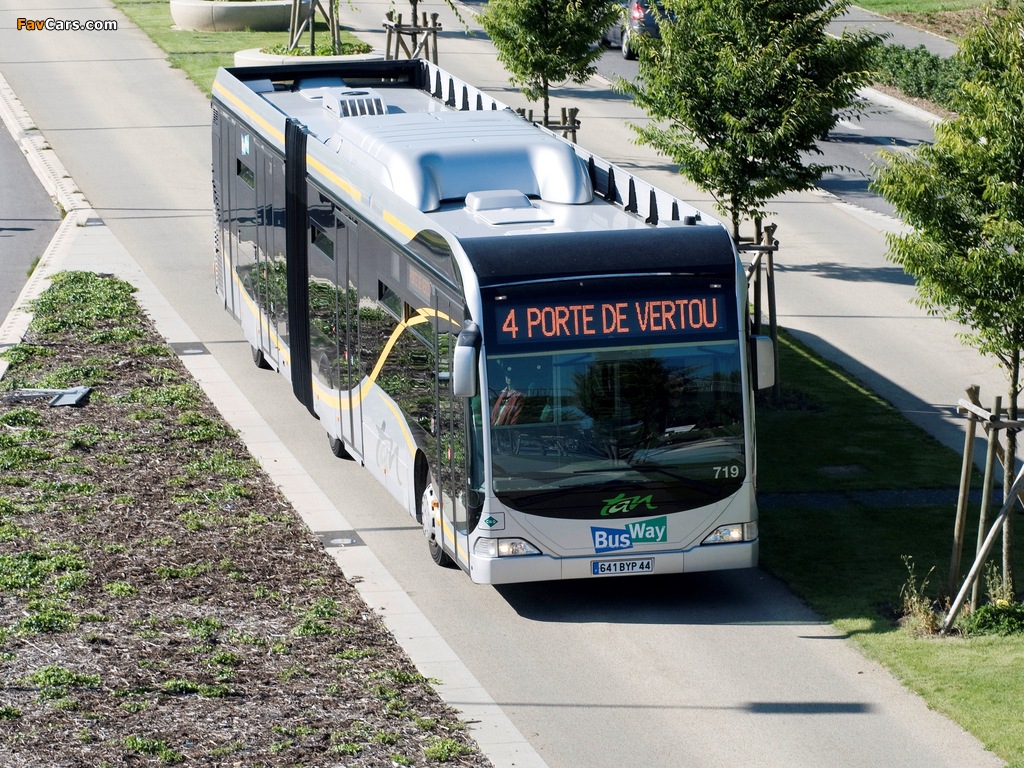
258,358
338,448
430,527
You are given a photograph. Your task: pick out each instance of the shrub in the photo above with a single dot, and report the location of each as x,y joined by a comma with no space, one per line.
919,73
1001,618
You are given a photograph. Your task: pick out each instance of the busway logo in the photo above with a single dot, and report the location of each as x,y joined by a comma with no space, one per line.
650,531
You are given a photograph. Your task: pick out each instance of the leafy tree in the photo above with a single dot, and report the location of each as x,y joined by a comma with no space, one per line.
741,90
543,43
964,199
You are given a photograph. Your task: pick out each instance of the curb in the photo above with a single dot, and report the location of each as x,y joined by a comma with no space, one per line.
901,106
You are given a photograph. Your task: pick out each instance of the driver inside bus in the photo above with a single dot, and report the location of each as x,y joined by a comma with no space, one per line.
508,405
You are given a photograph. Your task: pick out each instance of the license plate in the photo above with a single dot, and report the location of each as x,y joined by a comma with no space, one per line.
620,567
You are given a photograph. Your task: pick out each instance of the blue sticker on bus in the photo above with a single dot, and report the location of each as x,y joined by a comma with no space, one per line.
651,531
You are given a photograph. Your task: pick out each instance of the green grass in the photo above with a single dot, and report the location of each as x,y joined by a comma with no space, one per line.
200,54
316,620
975,682
53,681
188,571
885,7
143,746
444,750
186,687
828,429
78,300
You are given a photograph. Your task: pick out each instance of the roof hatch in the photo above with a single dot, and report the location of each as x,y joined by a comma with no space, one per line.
505,206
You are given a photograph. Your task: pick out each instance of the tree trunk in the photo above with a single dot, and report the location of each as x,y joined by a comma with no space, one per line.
547,102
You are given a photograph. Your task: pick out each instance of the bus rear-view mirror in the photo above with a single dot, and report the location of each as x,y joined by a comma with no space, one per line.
763,362
465,365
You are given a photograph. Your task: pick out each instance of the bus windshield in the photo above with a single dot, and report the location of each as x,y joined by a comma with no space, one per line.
661,421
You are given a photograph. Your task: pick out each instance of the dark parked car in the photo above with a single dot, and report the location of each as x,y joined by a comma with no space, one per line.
638,19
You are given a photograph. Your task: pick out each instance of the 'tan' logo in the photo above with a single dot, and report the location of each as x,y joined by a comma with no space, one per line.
640,532
622,503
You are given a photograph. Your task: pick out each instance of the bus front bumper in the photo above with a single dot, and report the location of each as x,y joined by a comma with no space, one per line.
513,570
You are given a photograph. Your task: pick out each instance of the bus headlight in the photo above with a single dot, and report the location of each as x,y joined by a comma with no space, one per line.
504,548
730,534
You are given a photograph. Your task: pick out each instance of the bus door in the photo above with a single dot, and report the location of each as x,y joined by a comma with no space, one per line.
452,442
347,239
240,207
271,276
225,148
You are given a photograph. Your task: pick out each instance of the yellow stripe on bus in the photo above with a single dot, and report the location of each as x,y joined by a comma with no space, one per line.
453,537
248,111
353,399
346,186
282,350
348,401
398,224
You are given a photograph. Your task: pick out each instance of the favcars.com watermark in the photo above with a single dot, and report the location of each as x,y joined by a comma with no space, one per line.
67,25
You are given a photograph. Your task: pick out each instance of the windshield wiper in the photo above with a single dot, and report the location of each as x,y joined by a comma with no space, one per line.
689,482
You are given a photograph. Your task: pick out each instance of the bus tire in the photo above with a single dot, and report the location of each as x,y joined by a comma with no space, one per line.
437,553
258,358
338,448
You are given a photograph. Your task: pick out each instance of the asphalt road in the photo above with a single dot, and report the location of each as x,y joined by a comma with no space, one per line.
853,149
28,220
718,669
853,146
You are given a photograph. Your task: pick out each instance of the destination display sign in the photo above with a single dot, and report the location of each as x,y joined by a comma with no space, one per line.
647,319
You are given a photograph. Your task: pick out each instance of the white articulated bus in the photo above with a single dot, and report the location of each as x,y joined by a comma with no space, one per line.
544,359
